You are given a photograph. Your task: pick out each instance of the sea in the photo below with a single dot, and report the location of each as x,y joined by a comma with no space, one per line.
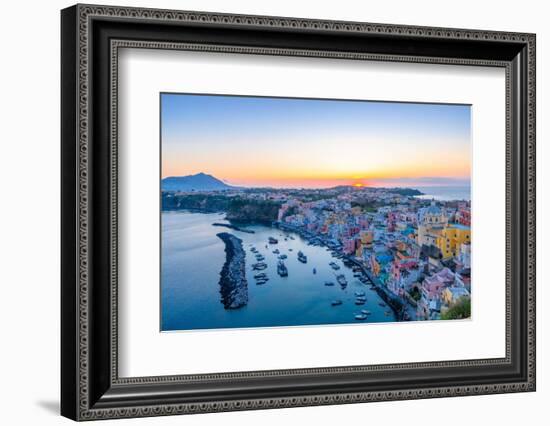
445,193
192,257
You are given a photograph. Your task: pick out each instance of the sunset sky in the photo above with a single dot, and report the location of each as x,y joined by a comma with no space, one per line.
285,142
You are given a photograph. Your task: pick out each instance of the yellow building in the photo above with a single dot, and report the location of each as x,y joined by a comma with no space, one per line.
366,237
451,238
431,225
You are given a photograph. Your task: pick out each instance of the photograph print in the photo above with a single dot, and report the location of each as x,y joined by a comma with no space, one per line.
279,212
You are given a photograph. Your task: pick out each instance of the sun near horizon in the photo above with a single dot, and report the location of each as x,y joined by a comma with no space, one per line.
311,143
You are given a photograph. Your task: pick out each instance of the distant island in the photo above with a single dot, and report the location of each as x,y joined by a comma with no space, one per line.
191,183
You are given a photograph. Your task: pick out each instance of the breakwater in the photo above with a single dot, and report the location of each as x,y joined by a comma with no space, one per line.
233,283
235,227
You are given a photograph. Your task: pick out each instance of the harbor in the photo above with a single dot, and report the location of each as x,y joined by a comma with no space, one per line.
291,281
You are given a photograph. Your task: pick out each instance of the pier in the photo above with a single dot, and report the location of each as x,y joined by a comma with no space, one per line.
233,283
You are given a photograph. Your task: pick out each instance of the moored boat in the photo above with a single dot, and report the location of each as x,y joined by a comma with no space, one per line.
282,269
336,302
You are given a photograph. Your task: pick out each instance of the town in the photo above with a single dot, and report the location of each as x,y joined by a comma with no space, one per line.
416,252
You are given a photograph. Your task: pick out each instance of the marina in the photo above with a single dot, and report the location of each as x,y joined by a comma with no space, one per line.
287,290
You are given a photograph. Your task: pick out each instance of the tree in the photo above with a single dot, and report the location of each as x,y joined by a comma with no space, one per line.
459,310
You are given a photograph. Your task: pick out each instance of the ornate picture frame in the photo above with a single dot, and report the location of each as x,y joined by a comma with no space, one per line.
91,37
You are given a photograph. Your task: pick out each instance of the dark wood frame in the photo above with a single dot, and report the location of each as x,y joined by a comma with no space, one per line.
90,386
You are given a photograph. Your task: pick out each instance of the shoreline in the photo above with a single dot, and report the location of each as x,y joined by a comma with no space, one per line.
396,305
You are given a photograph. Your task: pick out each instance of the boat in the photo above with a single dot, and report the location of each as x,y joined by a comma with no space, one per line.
329,283
302,257
341,280
314,270
282,256
359,293
260,266
360,317
383,305
276,251
272,240
259,257
282,269
360,301
260,276
262,282
336,302
334,266
365,312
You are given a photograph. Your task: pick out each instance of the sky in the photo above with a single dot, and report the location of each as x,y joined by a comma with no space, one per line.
311,143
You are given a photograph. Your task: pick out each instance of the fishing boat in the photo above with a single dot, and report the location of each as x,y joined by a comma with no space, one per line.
302,257
260,266
341,280
329,283
336,302
360,317
282,269
273,240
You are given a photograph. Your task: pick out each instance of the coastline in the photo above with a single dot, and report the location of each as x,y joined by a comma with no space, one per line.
393,303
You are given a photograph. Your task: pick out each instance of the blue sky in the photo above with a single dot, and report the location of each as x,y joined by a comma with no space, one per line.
259,141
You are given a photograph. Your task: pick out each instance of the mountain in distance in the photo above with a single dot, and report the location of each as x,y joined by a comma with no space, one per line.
198,182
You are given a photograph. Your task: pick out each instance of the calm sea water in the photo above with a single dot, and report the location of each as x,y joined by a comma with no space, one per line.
193,256
445,193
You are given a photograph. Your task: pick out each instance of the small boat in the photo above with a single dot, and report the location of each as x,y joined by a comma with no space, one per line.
282,256
359,293
360,301
334,266
289,249
336,302
302,257
360,317
341,280
272,240
365,312
329,283
276,251
282,269
314,270
262,282
259,257
260,266
260,276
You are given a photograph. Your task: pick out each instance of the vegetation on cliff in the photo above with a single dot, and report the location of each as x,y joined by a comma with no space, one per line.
238,209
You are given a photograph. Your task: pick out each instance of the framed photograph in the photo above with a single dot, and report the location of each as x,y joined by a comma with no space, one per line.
263,212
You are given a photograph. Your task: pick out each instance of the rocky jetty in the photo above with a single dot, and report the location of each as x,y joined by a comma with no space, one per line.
233,284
